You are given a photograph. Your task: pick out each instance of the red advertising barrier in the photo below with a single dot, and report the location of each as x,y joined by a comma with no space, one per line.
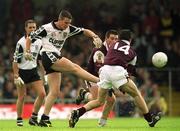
59,111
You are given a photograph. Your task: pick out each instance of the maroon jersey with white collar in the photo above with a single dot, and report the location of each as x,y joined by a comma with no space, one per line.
120,54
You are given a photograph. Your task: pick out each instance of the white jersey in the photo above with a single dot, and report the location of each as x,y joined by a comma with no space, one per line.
20,50
53,38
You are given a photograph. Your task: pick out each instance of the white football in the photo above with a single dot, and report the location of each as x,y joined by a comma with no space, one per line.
159,59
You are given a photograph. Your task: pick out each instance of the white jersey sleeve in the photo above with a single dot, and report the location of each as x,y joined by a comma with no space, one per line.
19,51
54,38
75,30
38,34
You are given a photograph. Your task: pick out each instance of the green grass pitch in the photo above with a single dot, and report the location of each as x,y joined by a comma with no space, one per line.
118,124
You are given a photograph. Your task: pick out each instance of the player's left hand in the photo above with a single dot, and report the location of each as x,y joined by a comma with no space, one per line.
97,41
132,70
28,56
18,82
88,84
98,57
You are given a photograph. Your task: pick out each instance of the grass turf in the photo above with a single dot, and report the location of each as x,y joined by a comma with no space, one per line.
118,124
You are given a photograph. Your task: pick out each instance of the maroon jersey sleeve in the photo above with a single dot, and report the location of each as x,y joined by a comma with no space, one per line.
90,66
93,67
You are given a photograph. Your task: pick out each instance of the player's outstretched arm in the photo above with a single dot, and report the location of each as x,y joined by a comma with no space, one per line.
17,79
28,55
89,33
96,40
28,44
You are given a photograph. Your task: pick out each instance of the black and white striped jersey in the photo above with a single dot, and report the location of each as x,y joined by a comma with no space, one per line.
20,50
53,38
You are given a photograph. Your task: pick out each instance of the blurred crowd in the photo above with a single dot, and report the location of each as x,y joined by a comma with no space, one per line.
156,25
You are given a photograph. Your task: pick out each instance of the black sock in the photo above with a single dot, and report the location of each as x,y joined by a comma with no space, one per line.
148,117
34,115
19,118
83,94
44,117
81,110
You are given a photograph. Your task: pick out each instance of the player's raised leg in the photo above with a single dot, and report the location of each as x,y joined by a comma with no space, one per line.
65,65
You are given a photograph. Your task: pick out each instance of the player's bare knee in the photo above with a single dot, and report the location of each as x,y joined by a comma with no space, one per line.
42,95
54,93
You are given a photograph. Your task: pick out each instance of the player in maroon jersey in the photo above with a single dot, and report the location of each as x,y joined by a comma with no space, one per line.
96,61
114,74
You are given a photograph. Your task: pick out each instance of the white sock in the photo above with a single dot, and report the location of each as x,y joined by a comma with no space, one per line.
86,96
102,122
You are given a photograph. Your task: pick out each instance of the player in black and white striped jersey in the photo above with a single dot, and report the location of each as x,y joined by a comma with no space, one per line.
26,74
53,36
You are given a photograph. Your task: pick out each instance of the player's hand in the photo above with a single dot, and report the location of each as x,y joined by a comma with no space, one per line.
28,56
98,57
88,84
97,42
18,82
131,69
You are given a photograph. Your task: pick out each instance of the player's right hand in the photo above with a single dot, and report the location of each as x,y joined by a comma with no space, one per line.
18,82
88,84
98,57
97,41
28,56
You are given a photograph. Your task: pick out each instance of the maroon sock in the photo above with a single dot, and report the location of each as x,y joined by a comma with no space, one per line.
148,117
81,110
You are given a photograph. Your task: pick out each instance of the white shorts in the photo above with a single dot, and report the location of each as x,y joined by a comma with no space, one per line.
112,77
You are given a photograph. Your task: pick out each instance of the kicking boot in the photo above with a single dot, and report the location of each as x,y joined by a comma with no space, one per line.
19,122
102,122
80,96
45,123
155,119
33,121
74,117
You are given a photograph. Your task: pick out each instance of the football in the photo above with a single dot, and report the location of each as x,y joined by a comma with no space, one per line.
159,59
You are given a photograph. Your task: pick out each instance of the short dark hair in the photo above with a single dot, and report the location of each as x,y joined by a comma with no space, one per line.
109,32
29,21
126,34
65,14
